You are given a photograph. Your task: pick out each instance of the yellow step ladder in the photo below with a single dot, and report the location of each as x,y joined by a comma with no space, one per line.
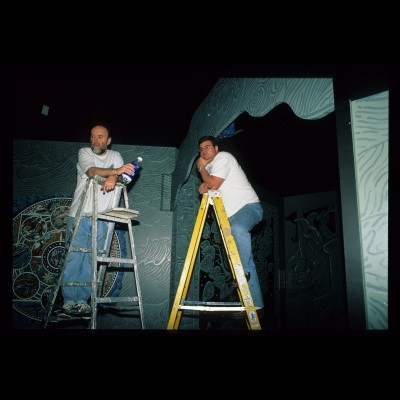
213,197
101,259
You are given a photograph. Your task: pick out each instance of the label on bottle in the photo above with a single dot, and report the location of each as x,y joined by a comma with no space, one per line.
127,178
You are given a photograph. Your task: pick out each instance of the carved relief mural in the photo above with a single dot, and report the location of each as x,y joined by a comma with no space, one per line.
216,276
38,250
371,151
315,276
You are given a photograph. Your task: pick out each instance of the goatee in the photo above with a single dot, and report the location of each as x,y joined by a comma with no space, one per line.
99,151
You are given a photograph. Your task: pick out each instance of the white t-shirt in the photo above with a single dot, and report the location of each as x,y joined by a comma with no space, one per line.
236,190
86,160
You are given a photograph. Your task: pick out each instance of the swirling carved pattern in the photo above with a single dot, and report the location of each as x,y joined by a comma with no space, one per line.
315,279
38,250
52,166
310,98
371,144
154,259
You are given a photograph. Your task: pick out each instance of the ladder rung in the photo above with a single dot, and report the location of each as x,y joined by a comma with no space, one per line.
210,308
80,249
211,303
77,284
117,260
86,250
113,219
123,213
117,299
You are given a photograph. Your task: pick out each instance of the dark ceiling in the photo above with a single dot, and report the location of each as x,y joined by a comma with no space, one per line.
152,104
143,105
286,154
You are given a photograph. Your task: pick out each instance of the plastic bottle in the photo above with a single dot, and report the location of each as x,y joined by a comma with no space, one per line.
136,164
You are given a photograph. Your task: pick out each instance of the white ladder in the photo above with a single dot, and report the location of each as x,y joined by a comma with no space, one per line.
101,259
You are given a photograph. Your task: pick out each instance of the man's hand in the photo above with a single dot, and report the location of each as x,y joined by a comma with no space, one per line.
127,168
201,162
203,188
109,184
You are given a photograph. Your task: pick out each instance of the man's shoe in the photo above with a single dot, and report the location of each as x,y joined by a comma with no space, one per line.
66,310
82,310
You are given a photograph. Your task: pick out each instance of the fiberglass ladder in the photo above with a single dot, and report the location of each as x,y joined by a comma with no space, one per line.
246,301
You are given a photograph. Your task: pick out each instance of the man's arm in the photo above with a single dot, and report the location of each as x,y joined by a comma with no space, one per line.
111,175
106,172
103,172
210,182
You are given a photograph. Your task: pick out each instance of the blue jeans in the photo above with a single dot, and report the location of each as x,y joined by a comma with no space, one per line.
78,265
242,222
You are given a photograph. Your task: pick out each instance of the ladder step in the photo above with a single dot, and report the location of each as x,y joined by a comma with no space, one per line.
86,250
211,308
210,303
69,284
123,213
67,318
117,260
80,249
113,219
127,299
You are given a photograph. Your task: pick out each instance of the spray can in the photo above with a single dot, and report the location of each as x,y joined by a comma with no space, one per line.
126,178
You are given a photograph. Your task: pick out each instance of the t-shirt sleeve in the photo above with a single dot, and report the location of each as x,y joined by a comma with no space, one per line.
221,167
119,162
85,161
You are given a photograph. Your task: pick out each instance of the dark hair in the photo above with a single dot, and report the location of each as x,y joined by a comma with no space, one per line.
212,139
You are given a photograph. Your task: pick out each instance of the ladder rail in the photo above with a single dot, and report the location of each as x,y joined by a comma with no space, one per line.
183,286
68,248
93,319
235,263
132,261
136,274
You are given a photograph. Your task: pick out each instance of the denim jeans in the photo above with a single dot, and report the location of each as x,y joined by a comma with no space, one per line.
78,265
242,222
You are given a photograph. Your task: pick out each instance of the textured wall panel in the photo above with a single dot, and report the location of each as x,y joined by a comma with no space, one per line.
370,128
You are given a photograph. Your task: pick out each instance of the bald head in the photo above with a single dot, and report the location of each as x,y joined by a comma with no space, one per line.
99,139
100,129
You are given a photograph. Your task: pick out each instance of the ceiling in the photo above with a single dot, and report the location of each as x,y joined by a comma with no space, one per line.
286,154
152,104
144,105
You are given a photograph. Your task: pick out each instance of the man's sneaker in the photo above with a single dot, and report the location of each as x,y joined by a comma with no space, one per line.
82,310
67,310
